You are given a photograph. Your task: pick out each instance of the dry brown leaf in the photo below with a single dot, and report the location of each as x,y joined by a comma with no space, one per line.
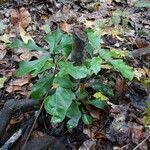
121,87
65,27
109,1
100,135
88,132
21,81
137,133
94,113
20,17
13,88
25,37
25,93
89,24
26,55
140,43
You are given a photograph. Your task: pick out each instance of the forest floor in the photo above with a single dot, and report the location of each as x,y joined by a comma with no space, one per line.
126,28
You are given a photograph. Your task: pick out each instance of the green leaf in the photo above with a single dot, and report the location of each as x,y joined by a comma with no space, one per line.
31,45
53,39
16,44
2,81
33,67
63,81
57,105
98,103
86,119
65,45
95,64
77,72
116,17
101,87
82,94
74,114
105,54
41,87
124,69
94,39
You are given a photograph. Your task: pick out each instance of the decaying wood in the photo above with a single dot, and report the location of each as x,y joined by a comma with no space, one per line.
11,107
79,43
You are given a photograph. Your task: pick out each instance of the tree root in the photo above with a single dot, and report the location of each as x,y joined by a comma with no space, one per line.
11,107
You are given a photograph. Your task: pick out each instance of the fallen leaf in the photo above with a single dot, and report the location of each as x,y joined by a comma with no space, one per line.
88,145
140,43
109,1
89,24
13,88
137,133
2,26
120,87
88,132
65,27
20,17
2,51
93,112
21,81
25,93
25,37
2,81
27,55
5,38
141,72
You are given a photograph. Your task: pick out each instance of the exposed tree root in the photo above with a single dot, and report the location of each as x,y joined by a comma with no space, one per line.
11,107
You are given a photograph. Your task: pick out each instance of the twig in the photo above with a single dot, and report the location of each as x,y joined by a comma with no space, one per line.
13,138
24,146
141,143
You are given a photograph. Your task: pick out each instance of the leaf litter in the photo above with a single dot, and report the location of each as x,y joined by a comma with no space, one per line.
123,123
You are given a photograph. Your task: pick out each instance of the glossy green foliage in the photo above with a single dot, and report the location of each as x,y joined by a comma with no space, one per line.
59,81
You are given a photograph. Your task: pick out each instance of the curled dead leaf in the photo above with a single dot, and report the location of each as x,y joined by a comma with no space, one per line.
65,27
13,88
20,17
21,81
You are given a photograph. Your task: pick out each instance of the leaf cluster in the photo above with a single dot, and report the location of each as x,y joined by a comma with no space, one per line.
60,81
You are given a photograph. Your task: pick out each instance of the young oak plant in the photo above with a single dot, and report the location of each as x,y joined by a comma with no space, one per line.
59,79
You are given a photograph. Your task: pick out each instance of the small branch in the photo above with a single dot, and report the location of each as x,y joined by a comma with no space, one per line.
24,146
141,143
